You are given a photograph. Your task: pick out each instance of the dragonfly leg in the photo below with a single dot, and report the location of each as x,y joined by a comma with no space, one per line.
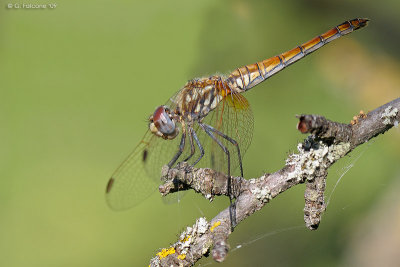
196,139
192,148
181,148
232,208
207,129
232,141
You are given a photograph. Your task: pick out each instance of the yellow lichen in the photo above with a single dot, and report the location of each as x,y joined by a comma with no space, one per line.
165,252
215,225
182,256
186,238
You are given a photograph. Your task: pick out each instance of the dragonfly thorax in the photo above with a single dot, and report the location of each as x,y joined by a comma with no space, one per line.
162,123
200,96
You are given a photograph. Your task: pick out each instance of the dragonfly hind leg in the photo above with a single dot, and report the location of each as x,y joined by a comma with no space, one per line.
232,141
209,130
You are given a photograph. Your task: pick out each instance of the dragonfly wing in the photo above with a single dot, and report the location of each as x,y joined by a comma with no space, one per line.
130,184
139,175
234,118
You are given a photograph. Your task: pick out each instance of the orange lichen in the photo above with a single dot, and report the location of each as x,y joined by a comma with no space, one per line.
361,115
215,225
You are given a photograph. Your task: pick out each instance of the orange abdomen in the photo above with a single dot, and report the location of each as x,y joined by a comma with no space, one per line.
244,78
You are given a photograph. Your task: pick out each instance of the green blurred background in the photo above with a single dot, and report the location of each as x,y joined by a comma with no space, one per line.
78,82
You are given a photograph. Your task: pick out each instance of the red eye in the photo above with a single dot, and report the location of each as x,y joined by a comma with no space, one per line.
158,113
163,122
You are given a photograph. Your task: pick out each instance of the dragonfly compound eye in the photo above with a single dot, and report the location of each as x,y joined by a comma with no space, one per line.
163,125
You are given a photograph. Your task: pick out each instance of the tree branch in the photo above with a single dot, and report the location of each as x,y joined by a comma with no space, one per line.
328,142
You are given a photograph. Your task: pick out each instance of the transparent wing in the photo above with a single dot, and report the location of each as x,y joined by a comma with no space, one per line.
139,175
234,118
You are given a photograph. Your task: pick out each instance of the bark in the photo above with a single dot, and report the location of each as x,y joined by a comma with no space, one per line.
329,141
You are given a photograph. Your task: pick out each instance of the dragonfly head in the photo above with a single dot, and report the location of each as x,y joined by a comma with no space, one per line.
162,123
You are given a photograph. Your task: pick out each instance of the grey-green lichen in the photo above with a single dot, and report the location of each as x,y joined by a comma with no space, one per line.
338,151
307,162
389,114
263,194
188,236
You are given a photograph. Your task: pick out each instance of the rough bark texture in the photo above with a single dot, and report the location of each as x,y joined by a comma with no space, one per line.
329,141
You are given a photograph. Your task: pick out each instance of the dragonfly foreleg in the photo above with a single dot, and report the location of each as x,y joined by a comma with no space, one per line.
181,148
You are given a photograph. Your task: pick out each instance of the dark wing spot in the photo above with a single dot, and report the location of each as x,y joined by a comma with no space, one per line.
109,185
145,153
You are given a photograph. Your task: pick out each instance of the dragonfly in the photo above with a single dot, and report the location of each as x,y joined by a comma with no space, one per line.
208,122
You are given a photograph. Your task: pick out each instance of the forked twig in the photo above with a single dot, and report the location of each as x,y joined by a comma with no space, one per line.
328,142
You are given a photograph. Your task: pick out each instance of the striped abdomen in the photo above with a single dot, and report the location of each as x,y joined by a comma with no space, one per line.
244,78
